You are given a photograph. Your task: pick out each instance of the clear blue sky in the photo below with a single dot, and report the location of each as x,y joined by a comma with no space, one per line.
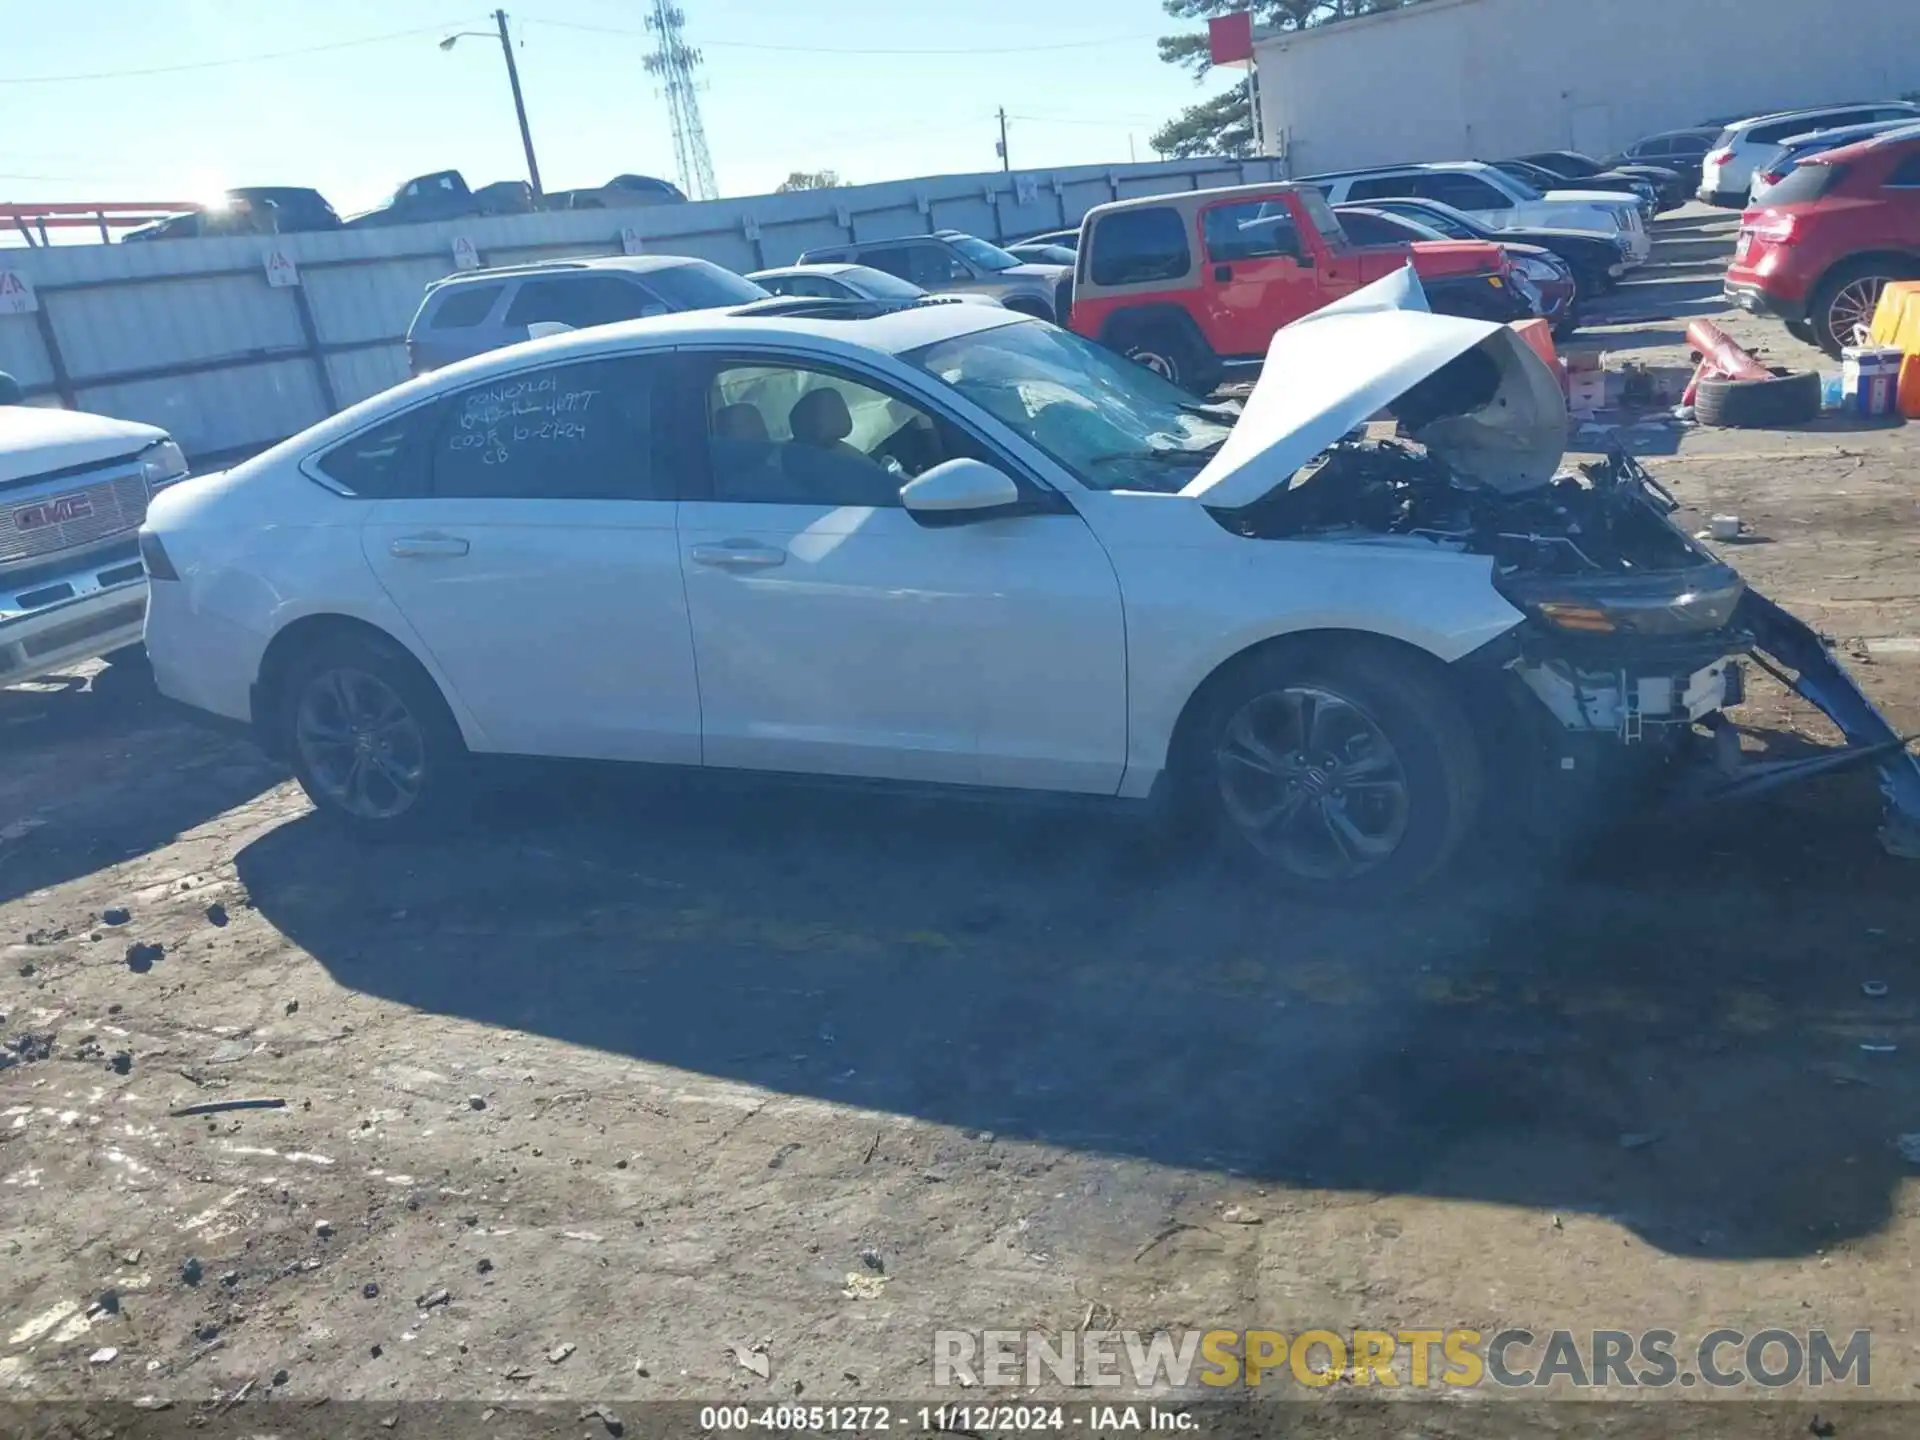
353,121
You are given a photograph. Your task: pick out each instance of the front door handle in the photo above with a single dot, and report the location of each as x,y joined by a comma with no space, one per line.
428,547
739,555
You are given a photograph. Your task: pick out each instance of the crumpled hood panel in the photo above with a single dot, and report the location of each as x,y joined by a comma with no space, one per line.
1472,391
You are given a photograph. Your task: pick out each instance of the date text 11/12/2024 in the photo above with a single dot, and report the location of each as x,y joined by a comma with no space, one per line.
922,1419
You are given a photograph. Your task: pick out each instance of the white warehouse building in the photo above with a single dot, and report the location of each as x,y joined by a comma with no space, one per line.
1485,79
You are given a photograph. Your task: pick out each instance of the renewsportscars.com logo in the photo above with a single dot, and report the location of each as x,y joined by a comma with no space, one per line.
1418,1359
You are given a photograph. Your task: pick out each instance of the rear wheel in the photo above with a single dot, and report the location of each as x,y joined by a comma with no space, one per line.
1802,331
1844,302
1344,777
1174,356
370,738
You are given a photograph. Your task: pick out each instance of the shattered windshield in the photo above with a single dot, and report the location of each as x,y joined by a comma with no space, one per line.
1115,424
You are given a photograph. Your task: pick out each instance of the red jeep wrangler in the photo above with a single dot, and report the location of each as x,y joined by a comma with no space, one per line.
1192,285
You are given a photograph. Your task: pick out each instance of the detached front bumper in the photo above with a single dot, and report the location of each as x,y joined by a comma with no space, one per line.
1652,694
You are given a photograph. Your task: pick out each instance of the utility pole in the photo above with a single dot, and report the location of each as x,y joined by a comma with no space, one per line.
1004,164
519,105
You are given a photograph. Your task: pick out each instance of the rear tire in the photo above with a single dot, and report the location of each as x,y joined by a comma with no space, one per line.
1349,775
1846,297
370,738
1789,398
1173,356
1802,331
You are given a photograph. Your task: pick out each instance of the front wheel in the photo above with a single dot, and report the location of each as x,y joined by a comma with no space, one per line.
370,739
1344,776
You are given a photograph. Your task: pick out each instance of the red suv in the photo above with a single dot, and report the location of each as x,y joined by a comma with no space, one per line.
1192,285
1831,235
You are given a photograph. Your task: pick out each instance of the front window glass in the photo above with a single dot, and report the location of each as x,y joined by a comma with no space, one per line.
987,257
881,286
1113,424
1314,202
1251,230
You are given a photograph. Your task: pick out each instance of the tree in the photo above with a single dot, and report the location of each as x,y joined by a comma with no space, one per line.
1222,125
809,180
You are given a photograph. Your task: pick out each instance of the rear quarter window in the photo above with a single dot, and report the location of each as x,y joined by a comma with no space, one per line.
386,461
1136,247
463,306
1806,182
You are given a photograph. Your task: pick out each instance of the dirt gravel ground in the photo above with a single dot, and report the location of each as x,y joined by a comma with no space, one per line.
656,1088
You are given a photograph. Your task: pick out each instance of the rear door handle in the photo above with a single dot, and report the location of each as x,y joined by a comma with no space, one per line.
739,555
428,547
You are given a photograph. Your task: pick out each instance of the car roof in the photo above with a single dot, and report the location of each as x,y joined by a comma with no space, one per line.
1818,110
1846,132
630,264
1410,167
1872,144
816,267
1194,198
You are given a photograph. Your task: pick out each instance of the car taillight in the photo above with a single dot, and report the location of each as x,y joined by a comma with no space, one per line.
159,567
1773,177
1717,157
1776,229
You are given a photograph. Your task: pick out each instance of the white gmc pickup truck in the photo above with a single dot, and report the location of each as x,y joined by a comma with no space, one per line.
74,488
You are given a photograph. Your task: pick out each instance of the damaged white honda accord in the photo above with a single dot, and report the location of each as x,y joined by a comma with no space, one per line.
945,544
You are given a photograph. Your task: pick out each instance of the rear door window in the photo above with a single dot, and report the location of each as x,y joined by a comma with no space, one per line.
892,259
581,301
1462,191
1380,186
465,306
1135,247
584,431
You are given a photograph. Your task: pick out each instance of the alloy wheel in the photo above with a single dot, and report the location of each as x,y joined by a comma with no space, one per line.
1850,313
1313,783
361,744
1160,364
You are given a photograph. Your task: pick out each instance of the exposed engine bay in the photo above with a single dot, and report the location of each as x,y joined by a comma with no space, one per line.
1608,520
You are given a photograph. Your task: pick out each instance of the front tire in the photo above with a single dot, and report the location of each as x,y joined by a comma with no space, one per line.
1345,776
370,739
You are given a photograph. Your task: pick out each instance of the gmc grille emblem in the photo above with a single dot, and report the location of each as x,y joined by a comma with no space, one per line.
56,511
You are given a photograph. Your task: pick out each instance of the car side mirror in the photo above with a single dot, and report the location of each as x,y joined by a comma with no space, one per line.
959,492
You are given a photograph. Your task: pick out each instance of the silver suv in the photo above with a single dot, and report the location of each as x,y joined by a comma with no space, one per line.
949,260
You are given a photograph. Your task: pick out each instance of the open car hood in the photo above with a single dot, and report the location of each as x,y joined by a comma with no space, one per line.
1471,391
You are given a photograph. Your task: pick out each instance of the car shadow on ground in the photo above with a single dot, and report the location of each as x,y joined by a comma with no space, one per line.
99,770
1665,1029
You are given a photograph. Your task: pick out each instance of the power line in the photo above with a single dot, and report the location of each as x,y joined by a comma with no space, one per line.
233,60
850,49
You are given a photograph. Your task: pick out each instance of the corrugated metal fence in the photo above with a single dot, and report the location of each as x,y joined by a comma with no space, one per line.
190,335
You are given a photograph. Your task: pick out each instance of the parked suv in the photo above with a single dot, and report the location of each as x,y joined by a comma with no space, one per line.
948,261
1196,283
1726,174
1830,237
1677,150
481,310
1494,198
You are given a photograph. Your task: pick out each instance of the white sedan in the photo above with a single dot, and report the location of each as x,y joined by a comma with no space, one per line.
948,543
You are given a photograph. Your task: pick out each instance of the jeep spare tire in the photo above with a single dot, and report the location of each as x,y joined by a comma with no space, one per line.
1790,397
